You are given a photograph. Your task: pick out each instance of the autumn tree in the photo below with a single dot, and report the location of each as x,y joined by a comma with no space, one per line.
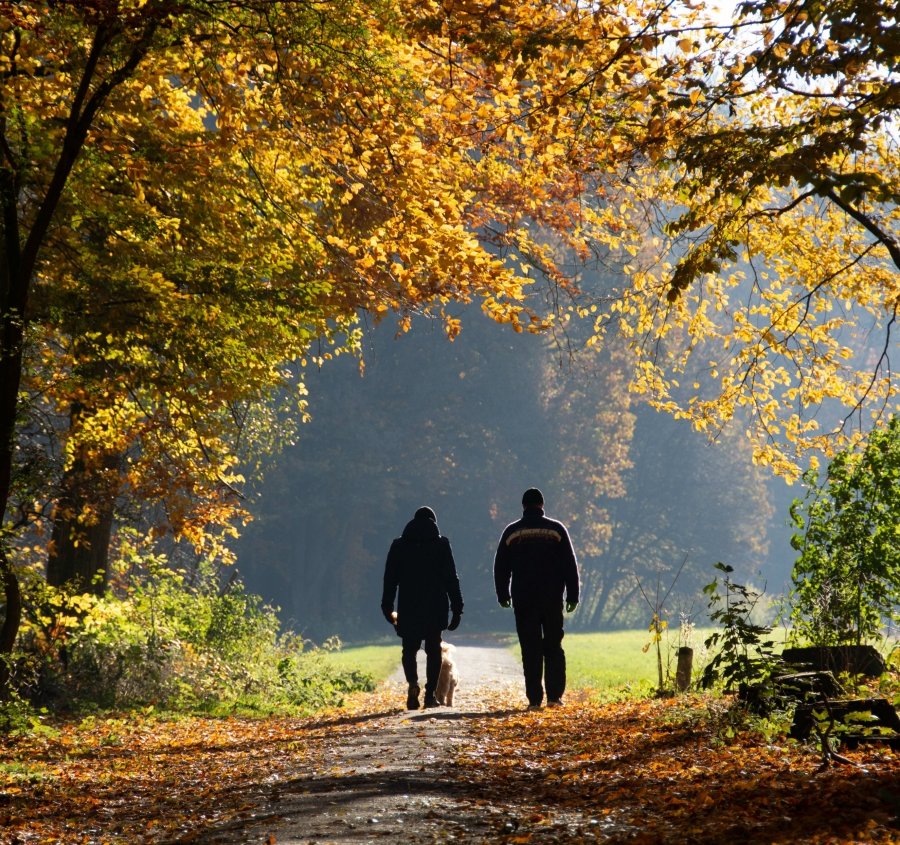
344,165
589,411
152,310
778,240
191,195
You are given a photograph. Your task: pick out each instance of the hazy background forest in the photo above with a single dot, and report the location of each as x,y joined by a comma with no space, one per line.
465,427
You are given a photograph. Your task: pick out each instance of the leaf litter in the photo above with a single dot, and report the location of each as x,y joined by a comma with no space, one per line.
647,772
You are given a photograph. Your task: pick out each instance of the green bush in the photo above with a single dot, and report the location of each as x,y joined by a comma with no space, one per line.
743,652
847,575
177,645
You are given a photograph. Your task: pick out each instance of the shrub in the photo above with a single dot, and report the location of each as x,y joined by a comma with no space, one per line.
847,575
176,645
744,652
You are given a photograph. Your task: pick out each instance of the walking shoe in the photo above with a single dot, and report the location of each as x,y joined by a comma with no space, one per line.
412,697
431,701
555,702
534,706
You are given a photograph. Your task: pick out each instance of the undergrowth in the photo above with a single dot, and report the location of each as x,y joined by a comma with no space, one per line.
175,644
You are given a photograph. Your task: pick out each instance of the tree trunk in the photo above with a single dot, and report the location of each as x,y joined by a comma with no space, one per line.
11,621
13,296
79,553
82,524
599,602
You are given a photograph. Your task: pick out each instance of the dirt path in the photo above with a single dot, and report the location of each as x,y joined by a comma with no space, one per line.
481,661
388,780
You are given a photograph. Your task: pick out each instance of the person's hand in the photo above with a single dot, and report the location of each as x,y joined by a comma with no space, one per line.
391,616
454,622
506,603
570,606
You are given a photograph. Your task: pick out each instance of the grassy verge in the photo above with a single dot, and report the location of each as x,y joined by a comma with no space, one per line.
613,659
617,658
601,660
379,661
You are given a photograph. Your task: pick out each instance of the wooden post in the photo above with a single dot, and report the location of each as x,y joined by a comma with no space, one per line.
683,670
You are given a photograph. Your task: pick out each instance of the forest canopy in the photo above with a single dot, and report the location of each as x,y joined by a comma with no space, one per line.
199,199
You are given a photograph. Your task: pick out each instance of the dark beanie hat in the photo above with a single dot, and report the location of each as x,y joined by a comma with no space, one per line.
425,513
532,498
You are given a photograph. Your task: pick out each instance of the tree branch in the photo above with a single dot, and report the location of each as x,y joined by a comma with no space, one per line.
890,243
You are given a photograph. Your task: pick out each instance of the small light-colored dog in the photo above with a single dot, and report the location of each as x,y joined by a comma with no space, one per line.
448,680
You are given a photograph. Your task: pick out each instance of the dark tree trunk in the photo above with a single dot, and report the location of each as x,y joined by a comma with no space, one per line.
13,296
79,553
11,620
83,520
599,604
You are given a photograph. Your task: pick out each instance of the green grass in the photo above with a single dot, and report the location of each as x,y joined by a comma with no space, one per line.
379,661
616,658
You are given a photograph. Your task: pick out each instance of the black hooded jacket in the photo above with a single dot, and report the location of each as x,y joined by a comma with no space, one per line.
420,564
536,554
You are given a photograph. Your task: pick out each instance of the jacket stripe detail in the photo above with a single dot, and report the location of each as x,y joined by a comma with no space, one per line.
528,534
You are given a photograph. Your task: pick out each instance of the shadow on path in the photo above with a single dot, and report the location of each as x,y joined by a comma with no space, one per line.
389,776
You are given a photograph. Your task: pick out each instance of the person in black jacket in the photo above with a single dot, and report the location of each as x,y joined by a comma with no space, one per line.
536,555
420,564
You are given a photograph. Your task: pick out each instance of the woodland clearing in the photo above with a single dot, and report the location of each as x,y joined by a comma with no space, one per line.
633,771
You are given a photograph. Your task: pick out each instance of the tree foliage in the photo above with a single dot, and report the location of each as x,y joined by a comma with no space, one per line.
779,241
847,575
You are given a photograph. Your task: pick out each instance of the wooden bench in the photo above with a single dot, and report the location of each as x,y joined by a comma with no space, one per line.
856,660
854,721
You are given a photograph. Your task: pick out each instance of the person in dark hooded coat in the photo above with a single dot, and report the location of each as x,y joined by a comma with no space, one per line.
420,565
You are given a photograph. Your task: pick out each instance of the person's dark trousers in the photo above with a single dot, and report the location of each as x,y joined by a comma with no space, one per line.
540,630
432,659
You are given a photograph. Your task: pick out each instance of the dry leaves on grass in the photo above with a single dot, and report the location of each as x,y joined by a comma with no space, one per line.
149,780
640,772
654,772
